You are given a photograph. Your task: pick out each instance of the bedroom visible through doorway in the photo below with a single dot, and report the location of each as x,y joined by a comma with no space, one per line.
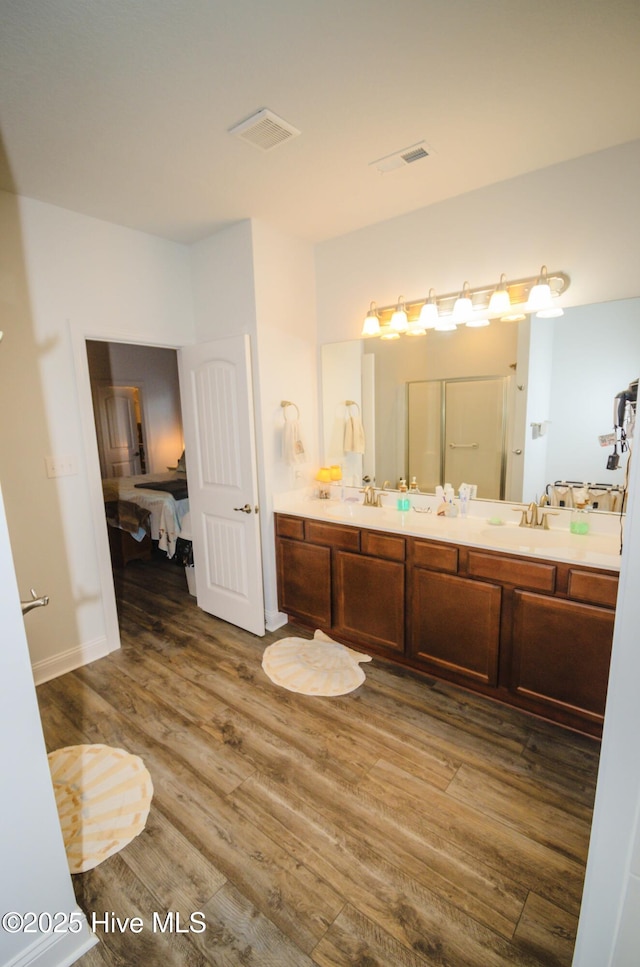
138,424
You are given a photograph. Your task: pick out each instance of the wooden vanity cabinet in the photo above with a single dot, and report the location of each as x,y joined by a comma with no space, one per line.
528,632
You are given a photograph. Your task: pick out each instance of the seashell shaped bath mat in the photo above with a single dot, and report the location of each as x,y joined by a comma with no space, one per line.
103,797
319,666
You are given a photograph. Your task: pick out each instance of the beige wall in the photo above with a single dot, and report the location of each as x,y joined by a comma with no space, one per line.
64,274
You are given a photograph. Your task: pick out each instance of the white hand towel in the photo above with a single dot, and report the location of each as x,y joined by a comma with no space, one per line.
292,445
353,435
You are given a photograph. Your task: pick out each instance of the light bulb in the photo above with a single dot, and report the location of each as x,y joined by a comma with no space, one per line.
429,312
371,324
463,306
399,320
500,303
540,296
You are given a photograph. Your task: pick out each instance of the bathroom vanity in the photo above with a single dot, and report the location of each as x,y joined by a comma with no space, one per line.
524,617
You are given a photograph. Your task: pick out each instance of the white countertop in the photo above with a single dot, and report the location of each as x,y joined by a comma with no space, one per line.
600,548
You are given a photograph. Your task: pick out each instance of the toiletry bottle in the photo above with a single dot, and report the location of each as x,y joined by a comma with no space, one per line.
579,523
413,485
463,498
403,502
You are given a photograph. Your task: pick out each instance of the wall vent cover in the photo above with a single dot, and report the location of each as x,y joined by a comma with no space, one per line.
400,159
265,130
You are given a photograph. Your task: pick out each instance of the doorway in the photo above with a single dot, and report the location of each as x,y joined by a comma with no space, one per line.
138,428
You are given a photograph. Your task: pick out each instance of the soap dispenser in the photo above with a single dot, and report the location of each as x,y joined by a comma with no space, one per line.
579,523
403,502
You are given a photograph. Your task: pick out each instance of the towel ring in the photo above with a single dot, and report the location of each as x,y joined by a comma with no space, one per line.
286,403
350,403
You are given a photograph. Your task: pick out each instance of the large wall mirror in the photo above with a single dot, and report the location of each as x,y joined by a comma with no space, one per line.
512,407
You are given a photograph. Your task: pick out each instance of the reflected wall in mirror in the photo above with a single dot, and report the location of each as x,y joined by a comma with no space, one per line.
561,377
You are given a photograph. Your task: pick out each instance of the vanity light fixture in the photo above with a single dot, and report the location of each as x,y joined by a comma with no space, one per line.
540,298
500,303
371,324
509,301
463,306
399,320
429,313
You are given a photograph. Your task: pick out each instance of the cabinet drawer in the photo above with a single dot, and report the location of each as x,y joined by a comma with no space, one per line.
439,557
333,535
383,545
513,570
290,527
593,588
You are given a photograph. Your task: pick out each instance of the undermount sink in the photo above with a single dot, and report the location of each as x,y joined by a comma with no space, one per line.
349,510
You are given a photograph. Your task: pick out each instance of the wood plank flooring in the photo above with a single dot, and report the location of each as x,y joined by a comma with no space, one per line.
406,824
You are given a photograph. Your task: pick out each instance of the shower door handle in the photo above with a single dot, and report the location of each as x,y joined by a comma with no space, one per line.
464,446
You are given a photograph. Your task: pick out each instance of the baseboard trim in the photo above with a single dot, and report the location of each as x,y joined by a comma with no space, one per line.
56,949
67,661
274,620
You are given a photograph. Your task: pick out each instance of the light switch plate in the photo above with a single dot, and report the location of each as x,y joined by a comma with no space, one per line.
61,466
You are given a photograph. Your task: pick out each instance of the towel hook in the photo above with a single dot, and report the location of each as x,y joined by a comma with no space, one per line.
285,403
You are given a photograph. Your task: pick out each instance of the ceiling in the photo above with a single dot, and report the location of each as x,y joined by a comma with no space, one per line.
122,109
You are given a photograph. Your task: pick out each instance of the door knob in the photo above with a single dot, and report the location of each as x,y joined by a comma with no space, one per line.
244,510
517,452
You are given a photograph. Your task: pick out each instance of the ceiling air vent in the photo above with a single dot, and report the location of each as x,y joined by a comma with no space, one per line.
399,159
265,130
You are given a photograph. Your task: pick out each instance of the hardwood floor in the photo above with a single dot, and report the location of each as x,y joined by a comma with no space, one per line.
408,823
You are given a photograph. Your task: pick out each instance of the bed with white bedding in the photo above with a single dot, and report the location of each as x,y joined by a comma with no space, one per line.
166,512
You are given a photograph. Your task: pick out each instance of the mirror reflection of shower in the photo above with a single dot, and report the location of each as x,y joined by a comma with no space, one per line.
456,431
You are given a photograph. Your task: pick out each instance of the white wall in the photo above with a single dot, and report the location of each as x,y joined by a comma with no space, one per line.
252,279
609,930
35,872
286,370
64,274
596,354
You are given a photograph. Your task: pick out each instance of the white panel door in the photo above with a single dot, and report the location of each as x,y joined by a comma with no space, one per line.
118,410
217,409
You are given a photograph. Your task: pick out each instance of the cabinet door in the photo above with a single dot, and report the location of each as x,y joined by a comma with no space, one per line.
561,654
304,581
369,601
455,626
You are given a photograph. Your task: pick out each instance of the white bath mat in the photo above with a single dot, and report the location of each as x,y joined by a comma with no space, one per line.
103,797
317,667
